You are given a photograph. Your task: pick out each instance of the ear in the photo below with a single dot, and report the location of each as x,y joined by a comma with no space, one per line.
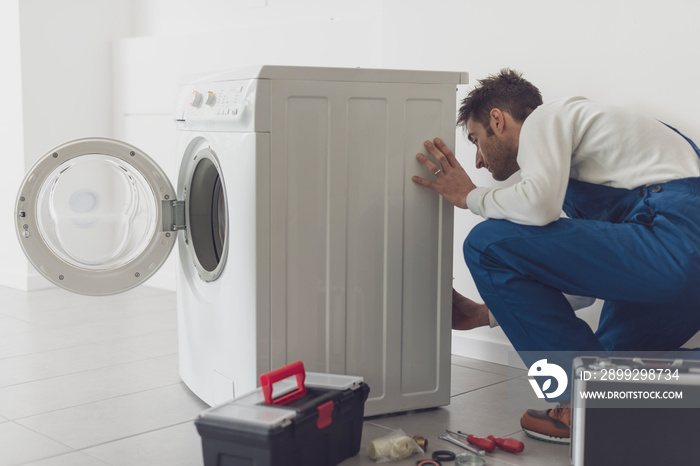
497,121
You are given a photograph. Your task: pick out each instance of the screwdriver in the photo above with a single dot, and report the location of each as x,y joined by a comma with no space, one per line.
483,443
459,443
507,444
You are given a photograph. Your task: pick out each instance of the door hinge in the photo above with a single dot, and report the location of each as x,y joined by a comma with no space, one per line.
173,215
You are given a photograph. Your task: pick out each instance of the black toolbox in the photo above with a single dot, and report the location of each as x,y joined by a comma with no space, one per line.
316,420
648,412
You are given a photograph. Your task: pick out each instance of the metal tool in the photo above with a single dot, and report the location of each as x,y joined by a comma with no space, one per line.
454,441
482,443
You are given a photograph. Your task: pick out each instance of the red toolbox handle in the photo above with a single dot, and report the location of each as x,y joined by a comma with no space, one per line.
266,381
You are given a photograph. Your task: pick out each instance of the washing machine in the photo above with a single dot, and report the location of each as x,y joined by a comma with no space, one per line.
300,233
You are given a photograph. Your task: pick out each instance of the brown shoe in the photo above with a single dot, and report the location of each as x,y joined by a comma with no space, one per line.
552,425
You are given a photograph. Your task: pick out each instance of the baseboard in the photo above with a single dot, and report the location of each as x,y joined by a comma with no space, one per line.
497,352
26,282
36,281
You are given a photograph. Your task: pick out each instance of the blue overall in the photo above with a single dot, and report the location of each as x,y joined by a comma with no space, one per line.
638,250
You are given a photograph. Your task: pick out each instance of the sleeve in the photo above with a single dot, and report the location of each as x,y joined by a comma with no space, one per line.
544,156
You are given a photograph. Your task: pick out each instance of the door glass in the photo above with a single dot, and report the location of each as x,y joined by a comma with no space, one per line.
96,212
207,215
219,219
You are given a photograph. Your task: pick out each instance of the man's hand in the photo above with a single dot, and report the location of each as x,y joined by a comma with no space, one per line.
452,181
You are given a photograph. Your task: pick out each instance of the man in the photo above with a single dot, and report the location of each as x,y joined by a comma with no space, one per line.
630,187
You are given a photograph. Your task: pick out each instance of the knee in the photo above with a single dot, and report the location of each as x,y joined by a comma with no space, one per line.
481,237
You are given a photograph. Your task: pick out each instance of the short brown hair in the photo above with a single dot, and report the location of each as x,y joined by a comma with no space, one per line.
507,91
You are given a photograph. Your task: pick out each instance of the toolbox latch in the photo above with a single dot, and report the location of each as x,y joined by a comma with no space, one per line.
325,415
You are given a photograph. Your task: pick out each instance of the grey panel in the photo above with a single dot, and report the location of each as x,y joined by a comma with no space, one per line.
421,315
368,152
307,137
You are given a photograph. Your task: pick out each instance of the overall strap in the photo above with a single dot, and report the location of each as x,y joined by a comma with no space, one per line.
690,141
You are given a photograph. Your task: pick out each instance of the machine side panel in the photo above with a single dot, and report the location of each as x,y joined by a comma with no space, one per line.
302,249
367,194
362,259
425,251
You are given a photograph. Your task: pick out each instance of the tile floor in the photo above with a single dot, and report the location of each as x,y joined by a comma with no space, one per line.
88,381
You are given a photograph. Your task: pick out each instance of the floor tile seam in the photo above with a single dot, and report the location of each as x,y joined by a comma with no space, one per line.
38,322
69,302
482,372
23,331
372,423
53,350
69,374
86,343
114,320
73,451
68,327
66,374
517,432
154,310
121,338
478,388
140,335
144,291
93,402
150,431
41,434
164,359
492,372
107,319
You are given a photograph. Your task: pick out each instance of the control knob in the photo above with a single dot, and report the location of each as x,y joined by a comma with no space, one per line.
196,99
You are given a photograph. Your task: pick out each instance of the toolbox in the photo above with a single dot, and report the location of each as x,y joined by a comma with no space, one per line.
313,420
630,422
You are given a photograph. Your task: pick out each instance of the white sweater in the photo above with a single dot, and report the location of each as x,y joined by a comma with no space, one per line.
587,141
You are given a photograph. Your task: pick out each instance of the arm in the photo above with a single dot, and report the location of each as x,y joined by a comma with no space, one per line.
544,155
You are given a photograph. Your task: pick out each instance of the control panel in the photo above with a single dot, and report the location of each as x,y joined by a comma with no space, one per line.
222,105
222,101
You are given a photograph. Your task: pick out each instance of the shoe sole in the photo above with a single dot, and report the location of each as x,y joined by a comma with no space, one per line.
547,438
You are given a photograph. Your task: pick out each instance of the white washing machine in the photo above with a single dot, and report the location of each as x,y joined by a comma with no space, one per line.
301,234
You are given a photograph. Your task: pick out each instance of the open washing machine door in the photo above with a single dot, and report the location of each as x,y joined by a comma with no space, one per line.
97,216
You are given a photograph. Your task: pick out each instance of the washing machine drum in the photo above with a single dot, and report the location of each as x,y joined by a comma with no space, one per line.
98,216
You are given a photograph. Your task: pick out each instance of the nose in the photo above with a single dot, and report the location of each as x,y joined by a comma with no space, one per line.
479,159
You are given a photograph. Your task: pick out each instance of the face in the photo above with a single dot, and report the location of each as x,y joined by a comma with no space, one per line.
497,153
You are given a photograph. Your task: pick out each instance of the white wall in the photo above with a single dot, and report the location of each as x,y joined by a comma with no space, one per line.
66,69
169,17
59,85
642,54
176,38
80,77
14,267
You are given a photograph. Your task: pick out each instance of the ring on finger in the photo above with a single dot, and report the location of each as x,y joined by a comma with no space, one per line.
438,171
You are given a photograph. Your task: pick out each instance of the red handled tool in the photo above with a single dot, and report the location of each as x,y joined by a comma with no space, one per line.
508,444
483,443
490,443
